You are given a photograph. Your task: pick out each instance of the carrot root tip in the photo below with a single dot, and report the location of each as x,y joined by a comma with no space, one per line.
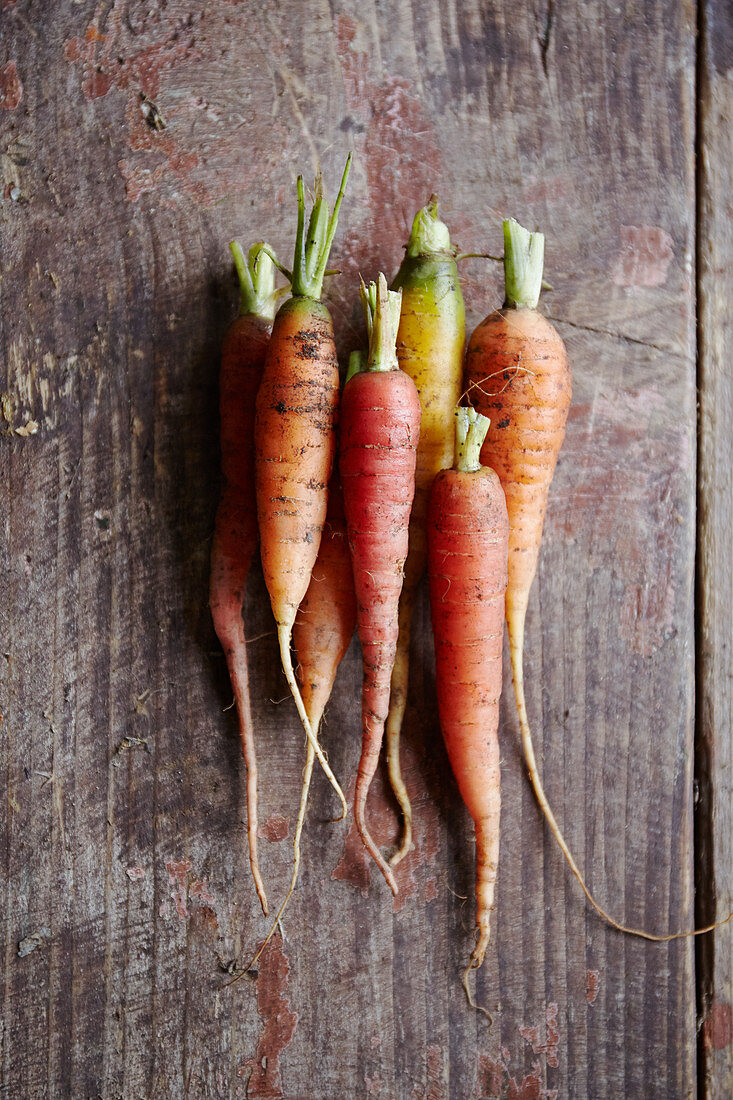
473,965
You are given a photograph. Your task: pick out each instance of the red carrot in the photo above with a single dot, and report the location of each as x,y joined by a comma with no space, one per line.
235,533
294,435
468,539
380,426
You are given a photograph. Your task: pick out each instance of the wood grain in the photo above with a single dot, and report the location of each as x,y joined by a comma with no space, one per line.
116,288
714,854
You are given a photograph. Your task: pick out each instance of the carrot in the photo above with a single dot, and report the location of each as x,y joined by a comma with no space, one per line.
517,371
380,426
468,540
321,635
327,616
294,435
430,343
235,532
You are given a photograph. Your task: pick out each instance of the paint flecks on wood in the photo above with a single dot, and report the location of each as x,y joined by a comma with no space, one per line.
275,829
549,1045
717,1028
144,60
178,878
494,1080
105,66
265,1080
592,984
11,87
499,1076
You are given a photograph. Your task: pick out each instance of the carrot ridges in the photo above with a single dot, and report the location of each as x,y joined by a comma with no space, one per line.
235,533
380,427
294,430
468,533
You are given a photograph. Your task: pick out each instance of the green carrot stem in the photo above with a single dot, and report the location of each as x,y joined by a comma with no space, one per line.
256,279
382,312
429,234
471,429
357,363
524,254
312,248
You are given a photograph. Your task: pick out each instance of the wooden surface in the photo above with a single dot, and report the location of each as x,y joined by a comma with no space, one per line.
714,814
123,846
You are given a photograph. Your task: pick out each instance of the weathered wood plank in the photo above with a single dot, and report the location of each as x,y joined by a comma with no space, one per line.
116,289
714,853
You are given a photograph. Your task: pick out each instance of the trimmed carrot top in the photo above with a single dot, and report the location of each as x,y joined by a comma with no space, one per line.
429,234
382,313
256,274
524,256
471,429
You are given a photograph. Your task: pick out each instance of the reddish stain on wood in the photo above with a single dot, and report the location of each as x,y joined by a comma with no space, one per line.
177,872
717,1028
169,161
11,87
592,981
199,888
644,257
265,1082
396,140
530,1034
205,920
547,190
275,828
355,865
494,1080
436,1082
550,1045
104,67
530,1088
490,1076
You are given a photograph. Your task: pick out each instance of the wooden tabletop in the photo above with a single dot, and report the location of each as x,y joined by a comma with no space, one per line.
126,893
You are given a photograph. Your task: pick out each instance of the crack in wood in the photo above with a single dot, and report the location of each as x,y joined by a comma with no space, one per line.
544,38
616,336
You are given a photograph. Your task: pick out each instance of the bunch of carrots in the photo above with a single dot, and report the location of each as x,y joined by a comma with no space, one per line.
441,463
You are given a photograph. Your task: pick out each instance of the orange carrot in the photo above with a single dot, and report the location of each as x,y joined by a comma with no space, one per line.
380,426
430,349
321,635
517,371
294,435
468,538
235,533
327,616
